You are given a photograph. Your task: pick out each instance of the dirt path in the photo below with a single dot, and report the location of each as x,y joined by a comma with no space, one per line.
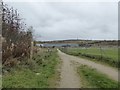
69,78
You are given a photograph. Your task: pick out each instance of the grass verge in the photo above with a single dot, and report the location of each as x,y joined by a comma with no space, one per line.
109,57
36,74
91,78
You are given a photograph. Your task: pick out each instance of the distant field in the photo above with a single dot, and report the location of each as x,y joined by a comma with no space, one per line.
104,52
108,55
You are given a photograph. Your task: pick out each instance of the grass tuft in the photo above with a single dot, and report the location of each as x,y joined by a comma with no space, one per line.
94,78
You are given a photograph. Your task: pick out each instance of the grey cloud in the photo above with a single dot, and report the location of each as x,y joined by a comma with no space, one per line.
71,20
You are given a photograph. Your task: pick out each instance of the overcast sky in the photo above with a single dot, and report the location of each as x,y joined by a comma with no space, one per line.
70,20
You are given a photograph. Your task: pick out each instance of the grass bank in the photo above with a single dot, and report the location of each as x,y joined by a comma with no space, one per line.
105,55
35,74
91,78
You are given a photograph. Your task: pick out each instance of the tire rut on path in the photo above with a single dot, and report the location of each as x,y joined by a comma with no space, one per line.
69,78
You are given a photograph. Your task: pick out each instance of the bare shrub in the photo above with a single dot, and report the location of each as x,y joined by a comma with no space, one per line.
17,38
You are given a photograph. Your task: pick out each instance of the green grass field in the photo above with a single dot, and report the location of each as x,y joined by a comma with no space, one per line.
91,78
107,55
104,52
38,74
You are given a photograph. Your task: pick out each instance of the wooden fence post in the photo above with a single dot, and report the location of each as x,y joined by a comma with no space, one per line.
1,12
31,50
